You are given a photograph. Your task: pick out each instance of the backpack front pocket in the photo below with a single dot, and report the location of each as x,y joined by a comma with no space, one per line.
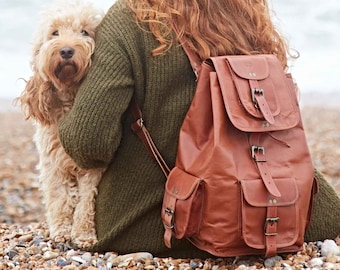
264,215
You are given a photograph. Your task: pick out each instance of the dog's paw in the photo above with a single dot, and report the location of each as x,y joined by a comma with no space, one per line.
61,236
84,240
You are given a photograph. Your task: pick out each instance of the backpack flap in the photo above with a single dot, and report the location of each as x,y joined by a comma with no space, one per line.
268,218
259,97
254,73
182,204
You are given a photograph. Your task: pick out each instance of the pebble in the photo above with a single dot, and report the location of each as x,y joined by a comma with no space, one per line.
316,262
286,266
329,247
78,260
25,238
272,261
11,254
49,255
328,266
87,257
71,253
62,262
134,256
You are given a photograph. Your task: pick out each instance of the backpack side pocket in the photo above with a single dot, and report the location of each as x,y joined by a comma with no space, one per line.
182,205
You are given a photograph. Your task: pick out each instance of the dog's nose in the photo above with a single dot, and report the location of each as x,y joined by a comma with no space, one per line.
66,52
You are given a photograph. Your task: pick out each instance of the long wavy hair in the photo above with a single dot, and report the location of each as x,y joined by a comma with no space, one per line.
212,27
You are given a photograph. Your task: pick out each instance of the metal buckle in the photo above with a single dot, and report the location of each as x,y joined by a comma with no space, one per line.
254,149
196,73
271,221
256,91
169,212
140,122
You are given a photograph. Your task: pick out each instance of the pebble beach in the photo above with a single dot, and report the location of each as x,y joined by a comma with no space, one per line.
24,236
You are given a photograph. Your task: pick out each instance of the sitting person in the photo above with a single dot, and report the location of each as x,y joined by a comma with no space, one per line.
137,54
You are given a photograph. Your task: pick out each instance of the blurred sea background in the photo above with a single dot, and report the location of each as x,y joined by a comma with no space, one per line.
311,28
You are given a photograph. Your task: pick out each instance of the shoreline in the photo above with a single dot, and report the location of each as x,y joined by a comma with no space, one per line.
307,99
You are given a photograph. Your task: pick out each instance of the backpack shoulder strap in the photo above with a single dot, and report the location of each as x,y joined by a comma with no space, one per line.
138,125
194,58
139,128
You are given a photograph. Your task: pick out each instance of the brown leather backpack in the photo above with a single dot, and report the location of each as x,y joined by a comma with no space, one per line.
243,181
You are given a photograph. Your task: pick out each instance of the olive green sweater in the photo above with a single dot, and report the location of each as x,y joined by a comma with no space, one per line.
97,133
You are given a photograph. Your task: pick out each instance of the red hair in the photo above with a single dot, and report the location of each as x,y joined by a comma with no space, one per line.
213,27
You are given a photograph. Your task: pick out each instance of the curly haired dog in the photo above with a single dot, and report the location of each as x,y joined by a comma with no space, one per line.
61,58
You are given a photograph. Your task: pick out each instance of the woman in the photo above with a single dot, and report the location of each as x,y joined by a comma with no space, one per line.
137,55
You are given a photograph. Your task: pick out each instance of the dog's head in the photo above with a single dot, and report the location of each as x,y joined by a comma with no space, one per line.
65,42
62,49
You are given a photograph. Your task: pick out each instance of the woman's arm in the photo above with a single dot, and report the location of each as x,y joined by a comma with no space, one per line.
92,130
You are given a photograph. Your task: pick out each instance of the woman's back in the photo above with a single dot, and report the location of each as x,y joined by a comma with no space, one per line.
142,60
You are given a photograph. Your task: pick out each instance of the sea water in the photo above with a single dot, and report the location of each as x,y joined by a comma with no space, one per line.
311,27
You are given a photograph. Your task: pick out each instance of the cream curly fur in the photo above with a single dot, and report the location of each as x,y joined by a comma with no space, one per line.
61,58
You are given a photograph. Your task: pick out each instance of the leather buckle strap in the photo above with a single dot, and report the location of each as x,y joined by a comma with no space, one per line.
254,92
254,149
269,223
260,101
258,154
270,230
168,215
168,218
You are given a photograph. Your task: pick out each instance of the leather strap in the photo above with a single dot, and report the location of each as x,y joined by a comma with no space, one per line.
260,101
195,60
167,237
270,231
168,220
258,155
139,128
266,176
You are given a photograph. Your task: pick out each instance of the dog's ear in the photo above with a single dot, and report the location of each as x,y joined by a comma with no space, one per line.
37,100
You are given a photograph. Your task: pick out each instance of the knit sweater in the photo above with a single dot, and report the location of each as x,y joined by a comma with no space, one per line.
97,133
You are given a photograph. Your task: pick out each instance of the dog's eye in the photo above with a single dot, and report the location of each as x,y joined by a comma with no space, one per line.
55,33
84,33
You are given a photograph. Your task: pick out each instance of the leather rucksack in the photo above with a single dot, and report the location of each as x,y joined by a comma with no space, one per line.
243,182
